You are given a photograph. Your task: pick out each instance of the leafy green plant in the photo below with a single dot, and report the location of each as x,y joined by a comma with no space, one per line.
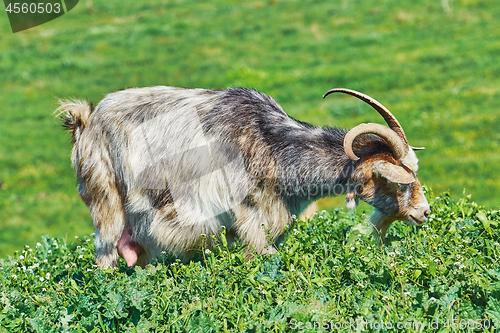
328,272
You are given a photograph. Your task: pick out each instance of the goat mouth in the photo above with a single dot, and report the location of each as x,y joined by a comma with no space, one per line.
416,221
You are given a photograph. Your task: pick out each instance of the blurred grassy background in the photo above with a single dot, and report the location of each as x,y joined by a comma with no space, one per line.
434,64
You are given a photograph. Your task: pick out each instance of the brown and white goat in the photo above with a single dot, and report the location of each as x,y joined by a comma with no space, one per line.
160,167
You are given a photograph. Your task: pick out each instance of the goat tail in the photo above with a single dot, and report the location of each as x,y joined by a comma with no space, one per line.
74,114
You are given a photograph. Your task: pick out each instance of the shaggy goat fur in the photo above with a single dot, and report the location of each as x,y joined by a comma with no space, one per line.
160,167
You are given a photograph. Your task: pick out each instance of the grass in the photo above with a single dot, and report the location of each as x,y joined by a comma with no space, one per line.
437,70
329,271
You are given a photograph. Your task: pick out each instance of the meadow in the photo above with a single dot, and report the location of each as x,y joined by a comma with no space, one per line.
433,63
436,69
443,277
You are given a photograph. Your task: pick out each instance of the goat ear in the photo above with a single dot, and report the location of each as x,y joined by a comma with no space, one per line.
393,173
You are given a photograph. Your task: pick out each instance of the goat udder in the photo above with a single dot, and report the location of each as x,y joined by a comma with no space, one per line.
128,248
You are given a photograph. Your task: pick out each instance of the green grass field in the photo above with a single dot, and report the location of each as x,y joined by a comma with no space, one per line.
436,69
434,64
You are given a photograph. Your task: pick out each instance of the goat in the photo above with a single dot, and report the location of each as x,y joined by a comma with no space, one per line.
160,167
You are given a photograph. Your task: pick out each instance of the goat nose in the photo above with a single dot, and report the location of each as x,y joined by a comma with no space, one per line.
427,212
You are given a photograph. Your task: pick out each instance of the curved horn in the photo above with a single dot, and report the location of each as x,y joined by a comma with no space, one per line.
399,148
384,112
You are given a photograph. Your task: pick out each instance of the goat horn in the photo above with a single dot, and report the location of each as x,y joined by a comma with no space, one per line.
384,112
399,148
